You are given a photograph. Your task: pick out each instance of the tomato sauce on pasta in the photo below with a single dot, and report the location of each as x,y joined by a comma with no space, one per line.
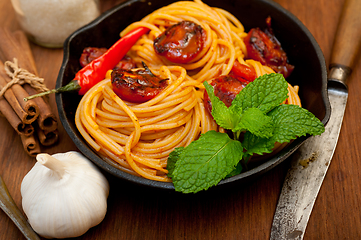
138,137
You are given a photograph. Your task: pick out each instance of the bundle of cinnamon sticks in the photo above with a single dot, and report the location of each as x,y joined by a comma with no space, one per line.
33,120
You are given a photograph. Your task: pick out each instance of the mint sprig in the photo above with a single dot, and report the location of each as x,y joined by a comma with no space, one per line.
256,122
290,122
202,163
227,118
265,93
256,112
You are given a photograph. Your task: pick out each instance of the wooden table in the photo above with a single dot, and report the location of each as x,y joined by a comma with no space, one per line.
242,213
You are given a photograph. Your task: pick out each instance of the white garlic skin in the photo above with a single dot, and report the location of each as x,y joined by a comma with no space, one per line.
66,207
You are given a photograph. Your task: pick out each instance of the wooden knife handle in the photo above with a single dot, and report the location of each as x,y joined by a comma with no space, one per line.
347,43
8,205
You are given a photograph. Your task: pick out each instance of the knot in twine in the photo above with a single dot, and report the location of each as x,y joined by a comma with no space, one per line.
21,76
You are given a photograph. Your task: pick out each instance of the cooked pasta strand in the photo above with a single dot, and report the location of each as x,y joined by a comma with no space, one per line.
137,138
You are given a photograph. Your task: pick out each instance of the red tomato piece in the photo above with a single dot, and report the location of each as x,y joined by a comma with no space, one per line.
264,47
91,53
136,85
243,73
226,88
126,63
181,42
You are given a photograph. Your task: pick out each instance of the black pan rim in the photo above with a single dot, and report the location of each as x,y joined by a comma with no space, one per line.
271,163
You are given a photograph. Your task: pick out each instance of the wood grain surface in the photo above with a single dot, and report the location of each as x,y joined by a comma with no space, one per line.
242,212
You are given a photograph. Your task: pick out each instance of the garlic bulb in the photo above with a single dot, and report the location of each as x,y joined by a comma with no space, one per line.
64,195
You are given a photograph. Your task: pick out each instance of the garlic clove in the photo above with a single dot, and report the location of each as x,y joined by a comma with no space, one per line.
64,195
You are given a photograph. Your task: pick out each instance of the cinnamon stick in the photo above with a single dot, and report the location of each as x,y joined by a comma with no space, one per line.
29,107
46,120
47,138
31,145
14,120
15,45
23,42
10,50
13,101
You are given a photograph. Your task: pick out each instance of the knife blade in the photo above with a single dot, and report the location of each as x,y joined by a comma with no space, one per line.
309,164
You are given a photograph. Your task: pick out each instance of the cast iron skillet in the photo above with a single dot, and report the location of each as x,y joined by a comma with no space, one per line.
303,51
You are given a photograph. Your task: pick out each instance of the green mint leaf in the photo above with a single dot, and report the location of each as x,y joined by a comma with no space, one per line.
266,92
237,170
205,162
257,145
227,118
172,159
257,122
290,122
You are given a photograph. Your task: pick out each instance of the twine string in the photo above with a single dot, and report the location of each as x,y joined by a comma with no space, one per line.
21,76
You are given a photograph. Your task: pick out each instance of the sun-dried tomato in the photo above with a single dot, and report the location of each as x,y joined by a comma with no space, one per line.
137,85
264,47
226,88
181,43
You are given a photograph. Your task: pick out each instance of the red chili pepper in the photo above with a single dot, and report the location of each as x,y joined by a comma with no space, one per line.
95,71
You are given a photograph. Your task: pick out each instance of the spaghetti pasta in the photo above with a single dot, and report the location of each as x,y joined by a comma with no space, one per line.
138,138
